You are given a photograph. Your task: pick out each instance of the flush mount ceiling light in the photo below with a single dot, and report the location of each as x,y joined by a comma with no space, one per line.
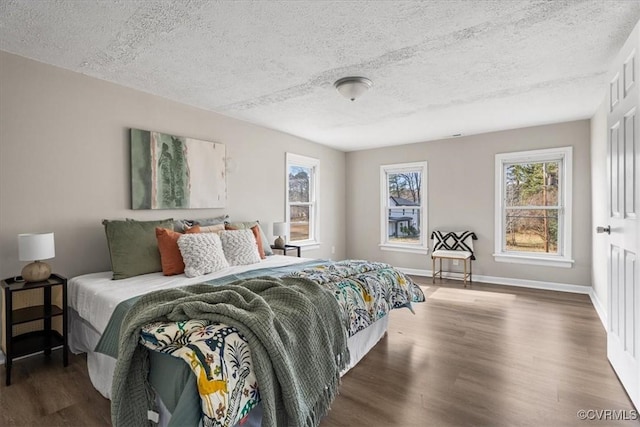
352,87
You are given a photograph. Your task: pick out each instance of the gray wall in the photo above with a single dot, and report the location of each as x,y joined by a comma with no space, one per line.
64,164
461,196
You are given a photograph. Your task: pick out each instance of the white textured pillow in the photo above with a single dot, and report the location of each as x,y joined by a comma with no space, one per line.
202,253
240,247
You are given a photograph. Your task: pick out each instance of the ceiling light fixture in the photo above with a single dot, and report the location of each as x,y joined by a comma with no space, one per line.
352,87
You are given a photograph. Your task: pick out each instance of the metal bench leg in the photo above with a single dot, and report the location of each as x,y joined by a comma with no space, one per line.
433,270
464,277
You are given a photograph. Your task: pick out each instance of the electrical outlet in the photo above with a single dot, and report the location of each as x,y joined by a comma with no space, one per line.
333,250
456,262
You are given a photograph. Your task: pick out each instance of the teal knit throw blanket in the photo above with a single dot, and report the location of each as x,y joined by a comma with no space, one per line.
295,330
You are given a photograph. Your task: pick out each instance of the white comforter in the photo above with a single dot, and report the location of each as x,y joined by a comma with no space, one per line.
95,296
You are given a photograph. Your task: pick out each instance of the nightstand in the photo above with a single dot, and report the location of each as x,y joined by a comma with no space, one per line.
36,341
286,249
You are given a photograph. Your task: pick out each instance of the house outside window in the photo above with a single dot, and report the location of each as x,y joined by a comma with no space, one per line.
403,207
533,207
302,184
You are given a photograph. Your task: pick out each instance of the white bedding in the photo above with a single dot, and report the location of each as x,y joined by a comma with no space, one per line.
95,296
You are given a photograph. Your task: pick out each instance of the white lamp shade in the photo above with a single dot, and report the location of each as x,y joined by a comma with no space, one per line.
36,247
280,228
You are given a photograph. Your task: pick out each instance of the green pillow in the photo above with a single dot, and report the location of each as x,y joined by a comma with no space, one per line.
133,246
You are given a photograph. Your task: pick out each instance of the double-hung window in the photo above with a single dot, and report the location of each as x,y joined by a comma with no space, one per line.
403,190
303,178
533,207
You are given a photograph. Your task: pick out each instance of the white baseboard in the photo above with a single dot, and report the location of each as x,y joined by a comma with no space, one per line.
597,304
534,284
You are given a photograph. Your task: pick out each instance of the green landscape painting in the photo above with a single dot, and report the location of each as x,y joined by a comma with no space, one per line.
174,172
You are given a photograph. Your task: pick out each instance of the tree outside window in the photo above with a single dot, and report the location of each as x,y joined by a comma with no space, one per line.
302,200
403,207
299,202
533,207
404,190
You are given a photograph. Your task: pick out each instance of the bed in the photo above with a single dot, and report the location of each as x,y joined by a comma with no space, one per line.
96,302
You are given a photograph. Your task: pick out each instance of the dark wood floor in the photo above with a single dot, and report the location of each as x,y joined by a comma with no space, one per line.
485,356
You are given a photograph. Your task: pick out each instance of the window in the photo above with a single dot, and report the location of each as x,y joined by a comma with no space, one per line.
302,199
533,207
403,207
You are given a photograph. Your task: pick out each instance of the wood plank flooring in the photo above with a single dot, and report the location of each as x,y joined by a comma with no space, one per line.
482,356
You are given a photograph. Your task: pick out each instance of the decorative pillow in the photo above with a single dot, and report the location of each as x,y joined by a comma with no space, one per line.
265,241
192,230
211,221
240,247
263,237
202,253
256,234
170,256
204,229
133,246
454,241
182,224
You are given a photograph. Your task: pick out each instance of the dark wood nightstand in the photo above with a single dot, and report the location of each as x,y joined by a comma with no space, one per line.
35,341
286,249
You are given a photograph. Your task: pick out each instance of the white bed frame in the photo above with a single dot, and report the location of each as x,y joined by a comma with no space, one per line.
83,339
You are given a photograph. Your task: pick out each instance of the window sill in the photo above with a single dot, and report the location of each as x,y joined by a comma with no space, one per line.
534,260
396,248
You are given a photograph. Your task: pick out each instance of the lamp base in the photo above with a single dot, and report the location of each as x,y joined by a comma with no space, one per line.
36,271
279,243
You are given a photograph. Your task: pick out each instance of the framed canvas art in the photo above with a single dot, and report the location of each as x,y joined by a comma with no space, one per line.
174,172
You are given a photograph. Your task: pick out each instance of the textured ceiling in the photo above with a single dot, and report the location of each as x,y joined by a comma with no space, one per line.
439,67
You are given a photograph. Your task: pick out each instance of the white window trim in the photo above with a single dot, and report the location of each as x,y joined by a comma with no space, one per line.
563,259
314,195
420,248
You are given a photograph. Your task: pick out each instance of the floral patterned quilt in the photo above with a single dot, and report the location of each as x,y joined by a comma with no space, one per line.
220,358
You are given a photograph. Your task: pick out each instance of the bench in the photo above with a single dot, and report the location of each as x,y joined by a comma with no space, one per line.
453,245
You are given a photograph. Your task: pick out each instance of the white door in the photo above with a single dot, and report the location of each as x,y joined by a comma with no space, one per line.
623,331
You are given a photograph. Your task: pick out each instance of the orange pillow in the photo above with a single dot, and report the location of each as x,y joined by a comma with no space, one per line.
191,230
170,256
256,233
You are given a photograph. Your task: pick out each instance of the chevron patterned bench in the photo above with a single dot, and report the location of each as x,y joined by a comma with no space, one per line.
455,245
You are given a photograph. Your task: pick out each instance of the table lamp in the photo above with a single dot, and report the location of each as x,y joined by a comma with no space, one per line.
36,247
280,229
